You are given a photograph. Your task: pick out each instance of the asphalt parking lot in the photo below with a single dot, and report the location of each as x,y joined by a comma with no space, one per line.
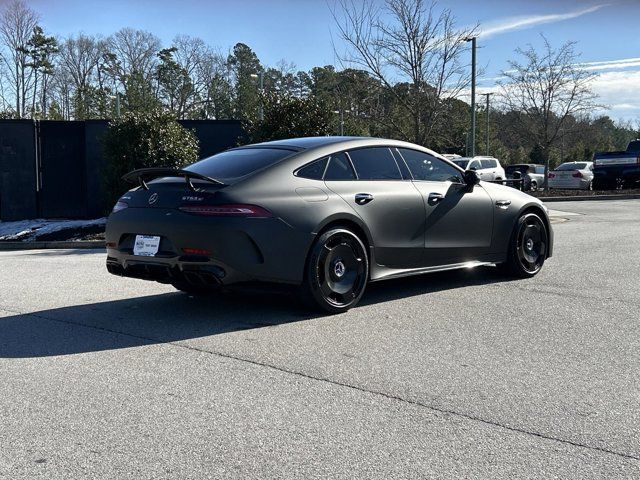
454,375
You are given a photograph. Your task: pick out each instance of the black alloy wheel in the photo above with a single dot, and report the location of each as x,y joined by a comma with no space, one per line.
528,247
337,271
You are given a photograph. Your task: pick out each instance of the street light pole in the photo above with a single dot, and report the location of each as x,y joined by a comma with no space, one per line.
473,94
341,112
260,77
487,95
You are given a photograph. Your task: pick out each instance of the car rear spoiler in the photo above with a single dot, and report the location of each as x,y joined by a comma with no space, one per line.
142,174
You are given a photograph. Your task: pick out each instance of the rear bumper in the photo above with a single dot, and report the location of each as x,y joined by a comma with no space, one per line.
202,275
577,184
237,249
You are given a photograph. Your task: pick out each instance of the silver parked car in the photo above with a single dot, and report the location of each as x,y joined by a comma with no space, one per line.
531,174
487,168
572,175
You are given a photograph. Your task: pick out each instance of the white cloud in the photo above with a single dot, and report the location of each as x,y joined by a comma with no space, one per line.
620,91
510,24
612,64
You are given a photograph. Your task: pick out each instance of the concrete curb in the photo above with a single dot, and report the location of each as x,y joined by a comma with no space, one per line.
47,245
630,196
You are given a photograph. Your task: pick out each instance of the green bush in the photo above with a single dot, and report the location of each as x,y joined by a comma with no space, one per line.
290,117
142,140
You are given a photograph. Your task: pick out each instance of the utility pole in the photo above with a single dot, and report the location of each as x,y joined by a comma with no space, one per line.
487,95
473,94
341,112
260,77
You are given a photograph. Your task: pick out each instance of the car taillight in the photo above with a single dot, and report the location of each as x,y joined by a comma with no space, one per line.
577,175
234,210
552,175
196,251
119,206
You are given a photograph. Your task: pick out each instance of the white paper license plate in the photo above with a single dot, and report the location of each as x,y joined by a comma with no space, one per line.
146,245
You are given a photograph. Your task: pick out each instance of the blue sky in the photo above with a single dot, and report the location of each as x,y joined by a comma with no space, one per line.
302,31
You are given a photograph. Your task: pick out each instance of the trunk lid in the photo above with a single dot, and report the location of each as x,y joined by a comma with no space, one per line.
171,194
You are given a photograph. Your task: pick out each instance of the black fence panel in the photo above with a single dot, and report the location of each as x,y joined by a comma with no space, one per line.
55,169
94,131
18,173
63,172
215,135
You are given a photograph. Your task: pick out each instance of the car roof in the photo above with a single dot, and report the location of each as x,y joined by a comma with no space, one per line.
309,144
477,157
311,148
305,143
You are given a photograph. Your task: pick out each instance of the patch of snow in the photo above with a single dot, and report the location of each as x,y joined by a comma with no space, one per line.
26,230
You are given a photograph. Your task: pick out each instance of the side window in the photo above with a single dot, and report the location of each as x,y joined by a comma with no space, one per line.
474,165
313,171
540,170
406,174
375,164
487,164
339,168
427,167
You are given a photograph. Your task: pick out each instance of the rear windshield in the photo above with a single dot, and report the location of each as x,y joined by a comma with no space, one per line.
572,166
461,163
234,164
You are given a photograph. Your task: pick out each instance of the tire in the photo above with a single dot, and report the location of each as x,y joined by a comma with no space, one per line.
336,272
534,186
527,247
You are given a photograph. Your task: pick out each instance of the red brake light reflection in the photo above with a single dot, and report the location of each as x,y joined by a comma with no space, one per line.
234,210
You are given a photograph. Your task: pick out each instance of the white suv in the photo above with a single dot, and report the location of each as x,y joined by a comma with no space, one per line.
487,168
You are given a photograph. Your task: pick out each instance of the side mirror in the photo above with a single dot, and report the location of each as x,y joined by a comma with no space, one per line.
471,178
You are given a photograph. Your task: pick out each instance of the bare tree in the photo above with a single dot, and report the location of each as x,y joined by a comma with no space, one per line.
545,89
190,53
415,54
135,51
78,58
17,22
215,76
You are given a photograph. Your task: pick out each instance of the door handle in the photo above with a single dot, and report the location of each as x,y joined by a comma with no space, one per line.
435,197
363,198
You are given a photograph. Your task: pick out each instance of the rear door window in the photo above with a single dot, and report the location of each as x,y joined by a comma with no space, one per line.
427,167
313,171
375,164
488,163
339,168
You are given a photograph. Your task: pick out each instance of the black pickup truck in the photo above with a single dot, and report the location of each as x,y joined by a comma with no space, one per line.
613,170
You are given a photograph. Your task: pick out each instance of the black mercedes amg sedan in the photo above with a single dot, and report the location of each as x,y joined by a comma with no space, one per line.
328,214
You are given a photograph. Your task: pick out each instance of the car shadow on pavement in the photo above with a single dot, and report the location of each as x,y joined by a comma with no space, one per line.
175,317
